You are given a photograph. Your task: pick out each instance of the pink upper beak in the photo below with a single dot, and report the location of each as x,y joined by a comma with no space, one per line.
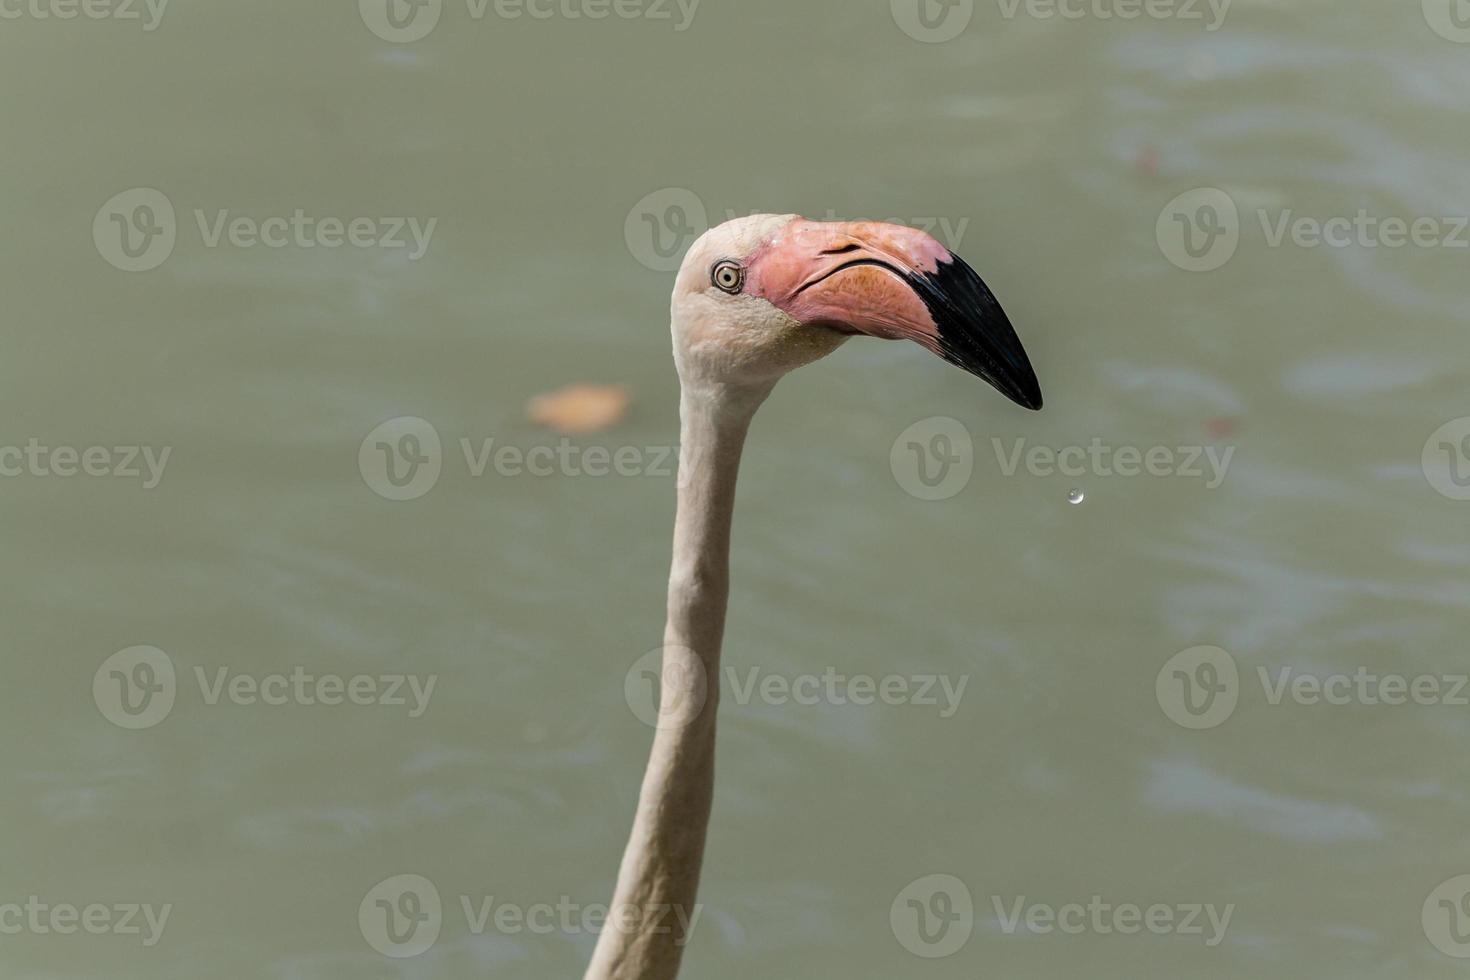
898,283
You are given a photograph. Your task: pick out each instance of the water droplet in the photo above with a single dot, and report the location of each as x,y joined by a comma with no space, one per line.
1076,497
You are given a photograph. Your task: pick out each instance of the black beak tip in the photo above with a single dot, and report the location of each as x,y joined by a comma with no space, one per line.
974,332
1019,384
1031,399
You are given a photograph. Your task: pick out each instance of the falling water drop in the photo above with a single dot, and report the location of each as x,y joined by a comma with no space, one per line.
1076,497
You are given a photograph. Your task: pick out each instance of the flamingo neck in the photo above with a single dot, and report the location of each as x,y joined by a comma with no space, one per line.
654,904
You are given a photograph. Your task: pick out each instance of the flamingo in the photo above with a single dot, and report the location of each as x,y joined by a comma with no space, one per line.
754,299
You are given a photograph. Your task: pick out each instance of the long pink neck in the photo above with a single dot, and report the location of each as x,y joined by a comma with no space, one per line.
658,881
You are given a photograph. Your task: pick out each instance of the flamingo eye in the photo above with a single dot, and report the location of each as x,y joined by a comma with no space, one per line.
728,276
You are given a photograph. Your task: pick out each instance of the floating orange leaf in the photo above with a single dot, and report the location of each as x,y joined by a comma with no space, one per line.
579,410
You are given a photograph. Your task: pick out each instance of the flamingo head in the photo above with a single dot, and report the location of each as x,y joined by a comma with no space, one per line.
758,297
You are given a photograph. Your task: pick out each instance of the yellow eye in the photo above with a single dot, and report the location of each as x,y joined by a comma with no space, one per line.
728,276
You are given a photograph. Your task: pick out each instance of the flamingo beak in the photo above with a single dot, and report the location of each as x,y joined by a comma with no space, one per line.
898,283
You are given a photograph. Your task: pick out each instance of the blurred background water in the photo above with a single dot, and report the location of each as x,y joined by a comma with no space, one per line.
550,153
